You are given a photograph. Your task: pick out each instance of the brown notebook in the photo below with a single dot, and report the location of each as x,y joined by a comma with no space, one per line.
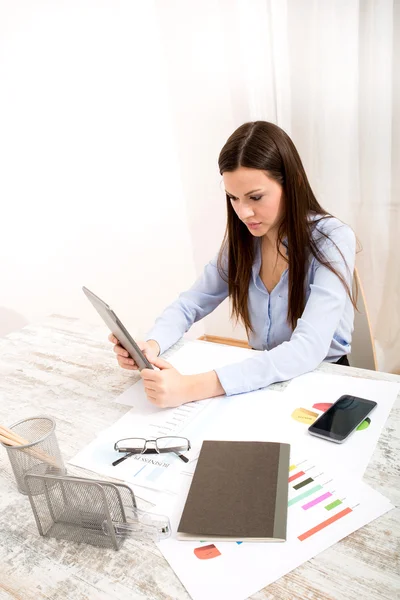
239,492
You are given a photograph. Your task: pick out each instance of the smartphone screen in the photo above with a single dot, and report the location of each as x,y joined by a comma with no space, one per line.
342,418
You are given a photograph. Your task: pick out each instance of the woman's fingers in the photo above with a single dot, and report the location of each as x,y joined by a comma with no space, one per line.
150,388
127,363
120,351
124,360
123,357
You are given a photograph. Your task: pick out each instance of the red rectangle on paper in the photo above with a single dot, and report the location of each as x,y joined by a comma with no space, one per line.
324,524
296,475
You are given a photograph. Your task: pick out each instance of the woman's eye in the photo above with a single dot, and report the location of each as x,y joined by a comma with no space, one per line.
233,199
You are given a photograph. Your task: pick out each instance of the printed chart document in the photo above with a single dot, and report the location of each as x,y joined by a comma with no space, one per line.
321,511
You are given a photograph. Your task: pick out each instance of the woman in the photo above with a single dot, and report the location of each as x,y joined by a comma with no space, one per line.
286,265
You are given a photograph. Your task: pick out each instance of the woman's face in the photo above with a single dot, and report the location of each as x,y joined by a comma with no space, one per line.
256,199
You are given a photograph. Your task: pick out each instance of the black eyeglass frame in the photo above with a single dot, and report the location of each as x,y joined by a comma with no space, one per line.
155,450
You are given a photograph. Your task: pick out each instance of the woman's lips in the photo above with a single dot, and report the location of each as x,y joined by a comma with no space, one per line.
253,225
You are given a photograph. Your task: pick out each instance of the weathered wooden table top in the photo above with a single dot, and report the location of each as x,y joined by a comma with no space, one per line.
66,368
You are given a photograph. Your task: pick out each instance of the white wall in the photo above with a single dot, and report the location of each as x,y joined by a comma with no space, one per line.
113,122
90,187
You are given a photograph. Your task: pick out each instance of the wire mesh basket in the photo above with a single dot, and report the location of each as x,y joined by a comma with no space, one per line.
100,513
40,452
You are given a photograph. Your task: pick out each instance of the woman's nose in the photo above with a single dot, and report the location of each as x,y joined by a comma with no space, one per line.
245,212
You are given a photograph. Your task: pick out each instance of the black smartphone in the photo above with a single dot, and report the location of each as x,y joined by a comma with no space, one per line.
342,418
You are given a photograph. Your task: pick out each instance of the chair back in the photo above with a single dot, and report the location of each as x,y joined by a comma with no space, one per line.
363,353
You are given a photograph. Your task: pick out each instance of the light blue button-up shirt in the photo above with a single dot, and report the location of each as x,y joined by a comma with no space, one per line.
322,333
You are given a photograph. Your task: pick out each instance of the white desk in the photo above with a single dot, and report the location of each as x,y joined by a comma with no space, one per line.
65,368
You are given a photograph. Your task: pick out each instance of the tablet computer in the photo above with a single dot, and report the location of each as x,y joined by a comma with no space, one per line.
114,324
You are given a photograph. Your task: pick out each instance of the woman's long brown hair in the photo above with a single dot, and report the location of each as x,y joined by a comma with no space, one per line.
265,146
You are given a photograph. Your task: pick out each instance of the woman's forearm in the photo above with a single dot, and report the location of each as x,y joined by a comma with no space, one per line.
204,385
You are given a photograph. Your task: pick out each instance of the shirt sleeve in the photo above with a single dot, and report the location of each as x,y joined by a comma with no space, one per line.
312,337
191,306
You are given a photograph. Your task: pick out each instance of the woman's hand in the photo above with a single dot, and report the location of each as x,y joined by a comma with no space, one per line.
166,387
150,348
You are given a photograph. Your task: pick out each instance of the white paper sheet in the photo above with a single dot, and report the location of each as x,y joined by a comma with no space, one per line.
152,471
193,357
274,416
149,421
234,570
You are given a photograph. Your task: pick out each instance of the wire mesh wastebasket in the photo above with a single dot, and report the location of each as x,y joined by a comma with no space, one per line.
40,452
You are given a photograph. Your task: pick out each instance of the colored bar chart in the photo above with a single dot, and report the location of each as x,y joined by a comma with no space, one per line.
316,501
303,492
324,524
333,505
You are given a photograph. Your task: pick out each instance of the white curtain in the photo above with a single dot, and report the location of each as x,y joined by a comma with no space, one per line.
345,121
328,73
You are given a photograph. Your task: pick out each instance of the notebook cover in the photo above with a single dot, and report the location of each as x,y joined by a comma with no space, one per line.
239,491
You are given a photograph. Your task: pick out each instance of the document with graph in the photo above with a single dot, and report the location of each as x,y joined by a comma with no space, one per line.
321,511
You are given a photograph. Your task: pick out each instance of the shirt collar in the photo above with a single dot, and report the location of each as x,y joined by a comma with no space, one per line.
257,255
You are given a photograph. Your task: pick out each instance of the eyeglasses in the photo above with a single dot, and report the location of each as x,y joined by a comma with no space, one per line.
158,446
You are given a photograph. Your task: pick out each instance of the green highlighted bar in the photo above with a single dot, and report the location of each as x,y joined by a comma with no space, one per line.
333,504
304,495
303,483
